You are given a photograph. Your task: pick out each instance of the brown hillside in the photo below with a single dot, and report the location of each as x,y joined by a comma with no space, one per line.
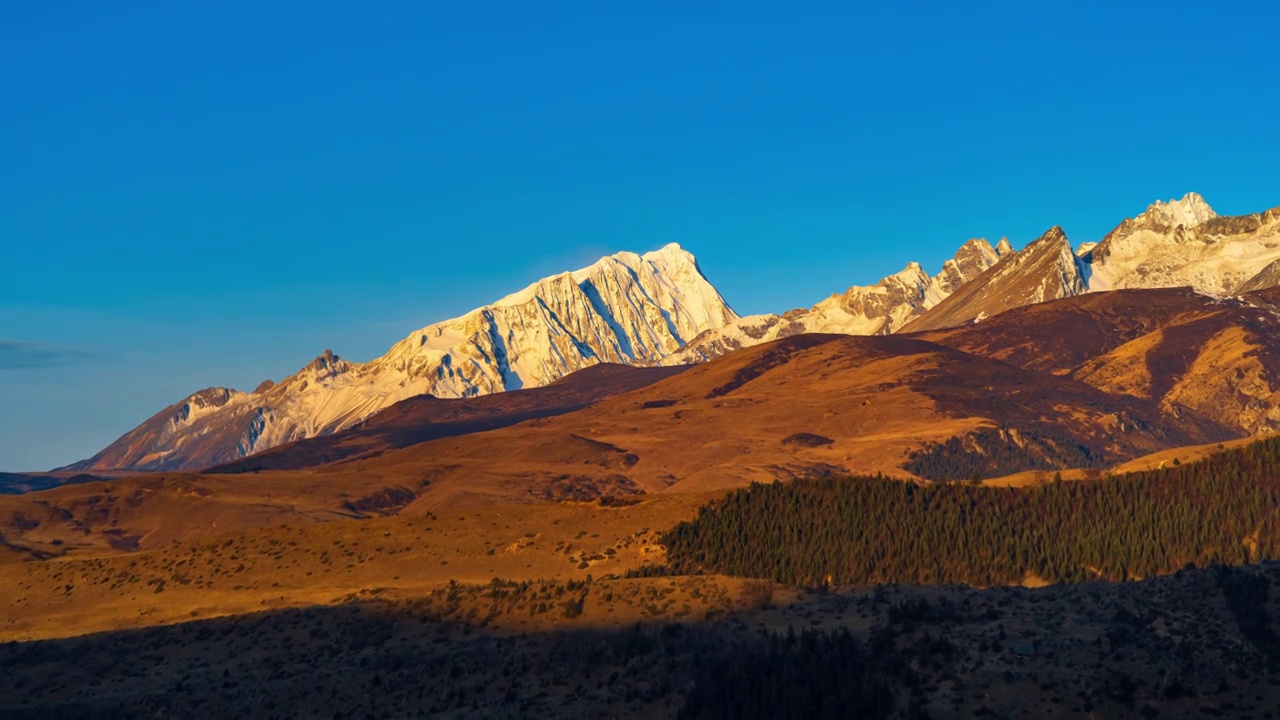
1190,354
807,405
803,406
425,417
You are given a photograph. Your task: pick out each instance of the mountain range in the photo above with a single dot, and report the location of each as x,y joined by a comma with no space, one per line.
660,309
1085,383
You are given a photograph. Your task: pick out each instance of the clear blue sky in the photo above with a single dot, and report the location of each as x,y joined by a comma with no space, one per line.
197,194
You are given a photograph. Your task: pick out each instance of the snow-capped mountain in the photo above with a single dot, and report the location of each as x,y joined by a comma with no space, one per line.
625,308
877,309
1171,244
658,309
1184,242
1179,243
1046,269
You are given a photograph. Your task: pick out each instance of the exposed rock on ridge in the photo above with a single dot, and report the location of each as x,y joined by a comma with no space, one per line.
1047,269
877,309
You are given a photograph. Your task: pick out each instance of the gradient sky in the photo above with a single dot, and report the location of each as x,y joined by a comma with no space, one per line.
211,194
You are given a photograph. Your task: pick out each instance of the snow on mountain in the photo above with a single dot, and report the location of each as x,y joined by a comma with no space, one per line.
625,308
877,309
1046,269
658,309
1190,211
1171,244
1184,242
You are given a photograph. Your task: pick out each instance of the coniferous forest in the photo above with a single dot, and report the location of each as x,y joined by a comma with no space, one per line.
992,452
1221,510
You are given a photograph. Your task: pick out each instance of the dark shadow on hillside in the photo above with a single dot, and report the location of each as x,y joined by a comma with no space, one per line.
424,418
1177,644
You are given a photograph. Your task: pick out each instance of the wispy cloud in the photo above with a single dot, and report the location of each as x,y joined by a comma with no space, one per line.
22,355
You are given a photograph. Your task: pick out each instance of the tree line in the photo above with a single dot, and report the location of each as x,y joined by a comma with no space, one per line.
1220,510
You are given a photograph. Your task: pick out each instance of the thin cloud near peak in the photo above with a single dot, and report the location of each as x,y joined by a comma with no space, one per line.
25,355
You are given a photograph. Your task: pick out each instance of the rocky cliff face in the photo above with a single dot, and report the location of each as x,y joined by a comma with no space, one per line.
1267,277
626,308
1047,269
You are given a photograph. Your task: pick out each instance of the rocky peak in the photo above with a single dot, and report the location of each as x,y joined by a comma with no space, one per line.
1184,243
624,308
211,397
1189,212
201,403
1053,236
911,275
975,252
1004,248
877,309
968,263
326,364
1046,269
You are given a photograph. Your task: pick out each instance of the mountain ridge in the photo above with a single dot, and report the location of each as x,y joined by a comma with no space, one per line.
1185,242
1046,269
624,308
658,309
876,309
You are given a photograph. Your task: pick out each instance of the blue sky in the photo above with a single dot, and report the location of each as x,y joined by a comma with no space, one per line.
196,196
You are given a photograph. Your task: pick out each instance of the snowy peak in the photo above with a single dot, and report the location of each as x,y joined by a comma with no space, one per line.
325,365
910,276
979,251
672,255
1054,234
1190,211
213,397
1185,243
624,308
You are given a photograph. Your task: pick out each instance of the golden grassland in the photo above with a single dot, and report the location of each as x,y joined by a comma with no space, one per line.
551,608
92,590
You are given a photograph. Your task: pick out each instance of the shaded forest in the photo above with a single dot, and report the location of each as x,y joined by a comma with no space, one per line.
993,452
810,675
1221,510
